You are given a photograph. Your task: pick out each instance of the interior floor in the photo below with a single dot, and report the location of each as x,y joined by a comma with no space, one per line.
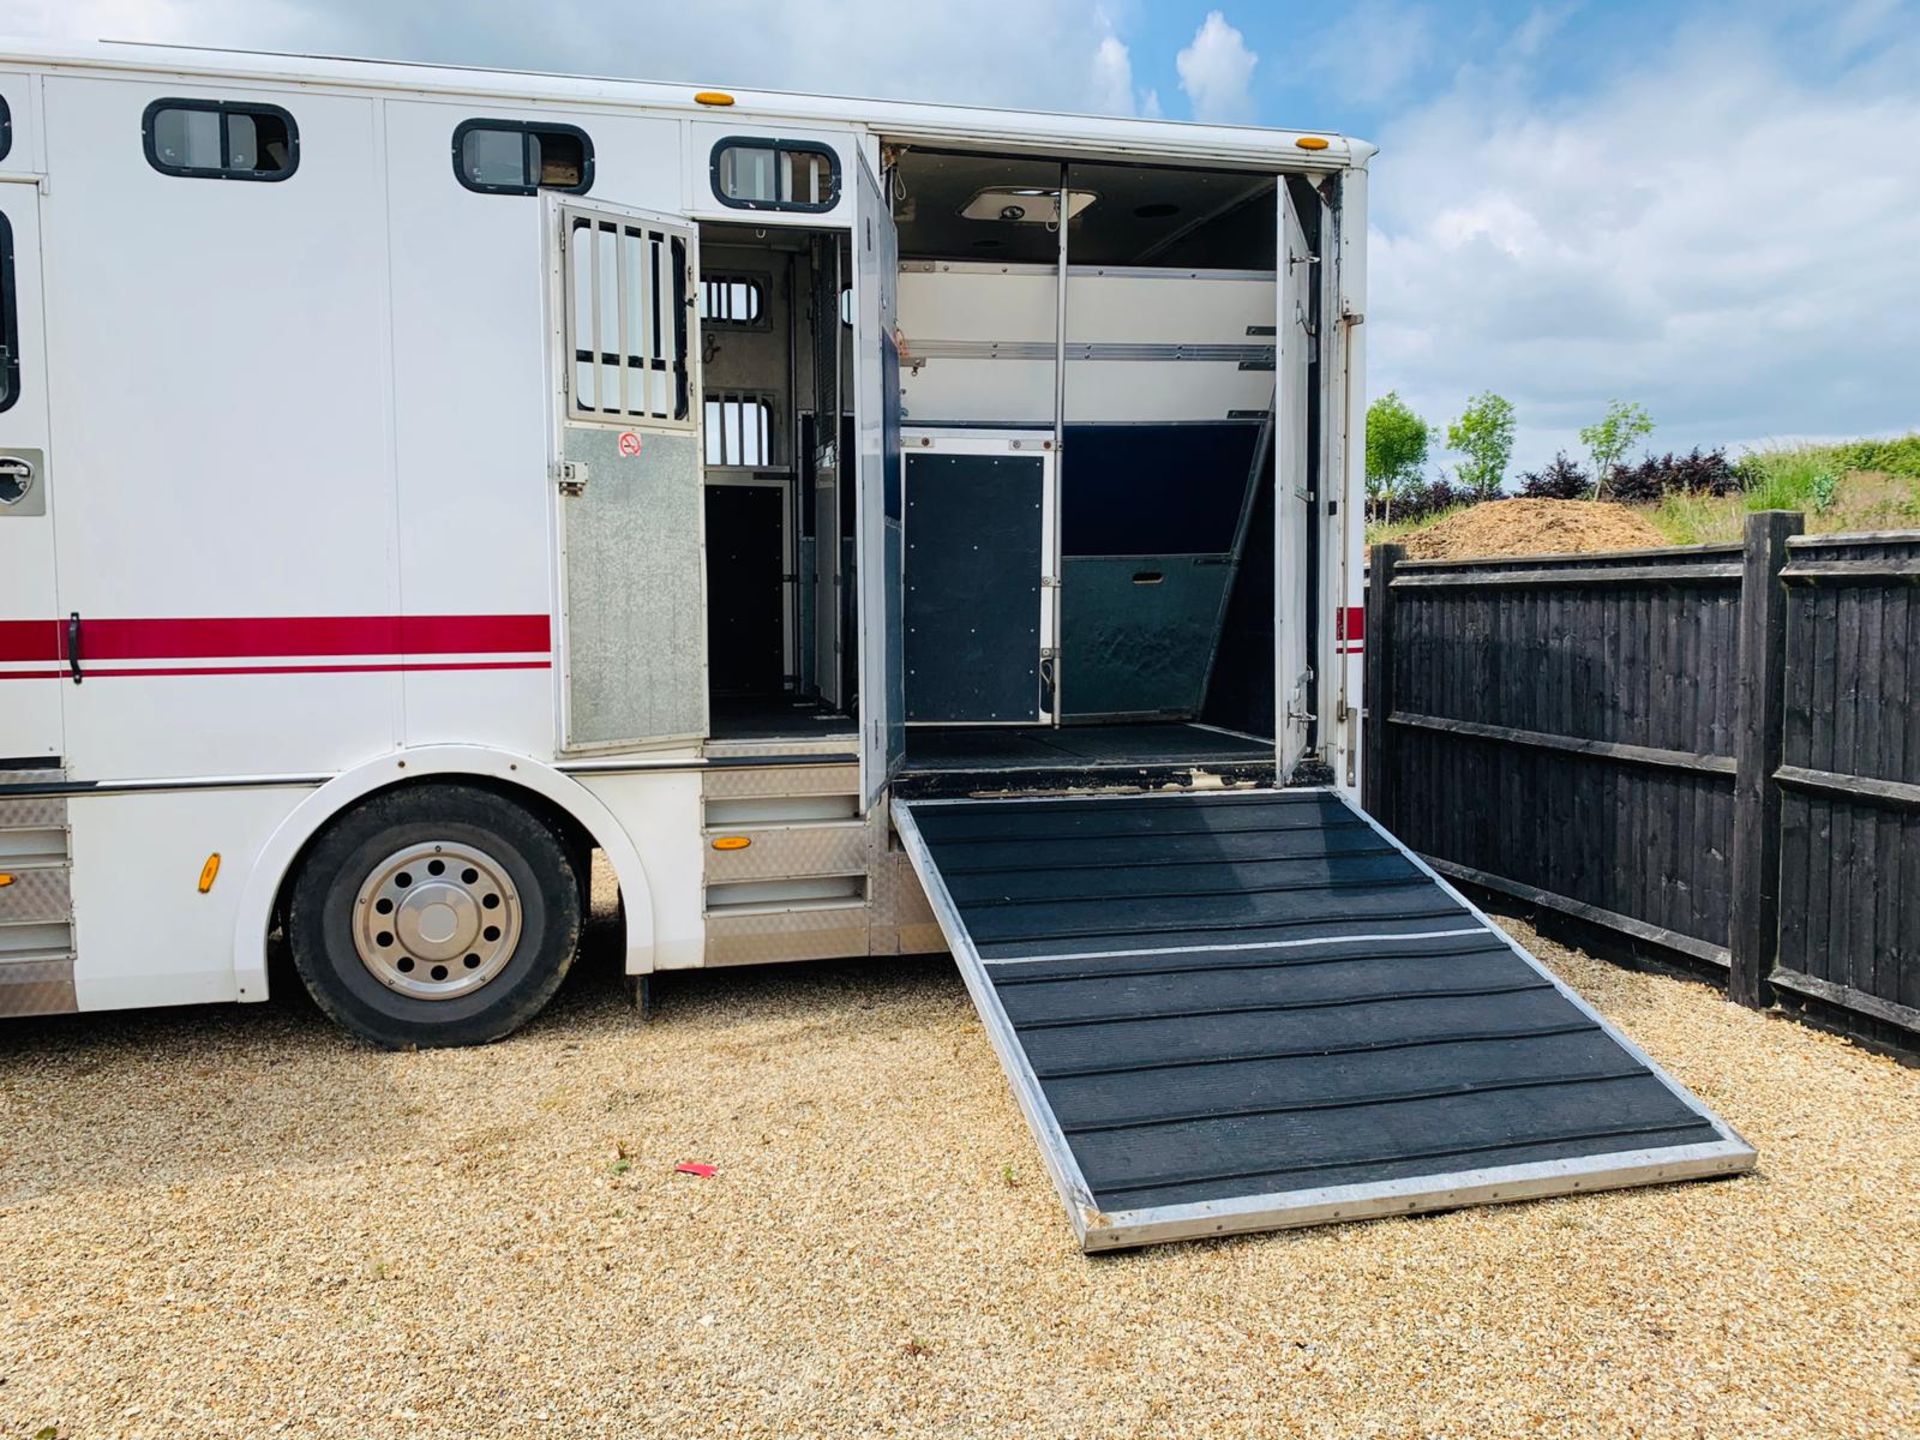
776,717
1172,743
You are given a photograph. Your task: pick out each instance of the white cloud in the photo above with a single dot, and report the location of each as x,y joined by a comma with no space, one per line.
1712,235
1377,48
1216,71
1112,77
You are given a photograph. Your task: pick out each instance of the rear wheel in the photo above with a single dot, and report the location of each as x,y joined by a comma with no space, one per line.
438,914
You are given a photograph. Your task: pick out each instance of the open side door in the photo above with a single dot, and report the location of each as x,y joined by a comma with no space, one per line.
1293,501
876,378
33,641
623,293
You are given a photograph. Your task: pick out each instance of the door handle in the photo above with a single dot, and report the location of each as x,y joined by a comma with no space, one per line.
16,478
73,646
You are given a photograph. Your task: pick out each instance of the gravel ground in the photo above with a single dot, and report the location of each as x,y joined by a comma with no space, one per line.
234,1222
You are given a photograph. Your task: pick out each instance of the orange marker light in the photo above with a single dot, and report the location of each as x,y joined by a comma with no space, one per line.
731,842
209,872
6,880
1311,142
712,97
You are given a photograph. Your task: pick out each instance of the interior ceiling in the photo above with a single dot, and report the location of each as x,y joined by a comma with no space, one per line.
1139,216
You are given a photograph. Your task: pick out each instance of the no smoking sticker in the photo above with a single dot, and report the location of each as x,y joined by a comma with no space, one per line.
629,443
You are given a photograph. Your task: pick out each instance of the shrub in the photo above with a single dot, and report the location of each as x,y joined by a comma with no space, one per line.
1695,473
1433,497
1895,457
1562,480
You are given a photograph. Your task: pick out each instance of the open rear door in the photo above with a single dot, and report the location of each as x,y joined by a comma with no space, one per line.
1255,1009
876,378
633,634
1293,500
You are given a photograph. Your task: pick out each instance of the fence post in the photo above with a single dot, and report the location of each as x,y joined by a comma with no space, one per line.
1376,791
1754,924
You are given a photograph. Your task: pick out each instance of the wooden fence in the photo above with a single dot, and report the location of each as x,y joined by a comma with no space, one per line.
1713,751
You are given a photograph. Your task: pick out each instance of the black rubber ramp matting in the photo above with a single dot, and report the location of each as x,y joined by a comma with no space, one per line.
1255,1009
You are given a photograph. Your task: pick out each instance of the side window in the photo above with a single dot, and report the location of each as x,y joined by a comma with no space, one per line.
220,140
517,157
735,300
775,175
739,429
9,323
628,330
6,128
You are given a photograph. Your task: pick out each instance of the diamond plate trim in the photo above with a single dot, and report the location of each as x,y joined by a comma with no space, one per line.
780,782
37,987
788,935
788,852
41,895
33,812
810,745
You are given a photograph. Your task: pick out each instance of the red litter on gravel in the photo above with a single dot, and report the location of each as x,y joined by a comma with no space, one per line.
694,1167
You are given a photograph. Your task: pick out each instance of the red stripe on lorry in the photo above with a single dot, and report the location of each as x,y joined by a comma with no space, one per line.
279,637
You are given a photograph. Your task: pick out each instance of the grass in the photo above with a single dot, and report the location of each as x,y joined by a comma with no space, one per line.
1382,534
1859,485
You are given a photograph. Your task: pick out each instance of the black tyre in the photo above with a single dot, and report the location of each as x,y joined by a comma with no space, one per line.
435,914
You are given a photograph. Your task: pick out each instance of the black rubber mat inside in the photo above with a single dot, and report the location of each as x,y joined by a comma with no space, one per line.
1043,747
1250,993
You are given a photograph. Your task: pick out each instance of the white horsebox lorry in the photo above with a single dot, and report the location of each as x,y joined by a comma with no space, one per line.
873,527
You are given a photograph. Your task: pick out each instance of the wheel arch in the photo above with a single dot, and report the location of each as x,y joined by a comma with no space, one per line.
274,864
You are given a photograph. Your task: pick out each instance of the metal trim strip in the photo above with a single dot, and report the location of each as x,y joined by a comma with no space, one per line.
264,782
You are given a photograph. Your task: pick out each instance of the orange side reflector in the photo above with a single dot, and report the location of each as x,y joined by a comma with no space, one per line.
712,97
6,879
1311,142
731,842
209,872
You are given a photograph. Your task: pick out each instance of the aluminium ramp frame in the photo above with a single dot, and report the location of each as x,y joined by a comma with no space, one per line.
1255,1010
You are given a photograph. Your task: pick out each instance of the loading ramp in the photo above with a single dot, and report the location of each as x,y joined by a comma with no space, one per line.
1252,1010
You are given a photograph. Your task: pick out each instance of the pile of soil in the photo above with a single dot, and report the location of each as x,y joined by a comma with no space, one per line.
1533,527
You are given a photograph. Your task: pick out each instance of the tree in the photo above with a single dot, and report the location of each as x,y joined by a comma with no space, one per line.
1624,424
1484,434
1397,441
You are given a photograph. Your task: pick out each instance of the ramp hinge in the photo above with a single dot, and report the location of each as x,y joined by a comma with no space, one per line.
570,476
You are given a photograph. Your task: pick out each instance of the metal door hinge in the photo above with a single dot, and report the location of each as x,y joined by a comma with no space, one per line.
570,476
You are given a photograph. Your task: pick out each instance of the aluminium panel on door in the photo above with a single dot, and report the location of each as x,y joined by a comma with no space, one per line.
624,286
1252,1010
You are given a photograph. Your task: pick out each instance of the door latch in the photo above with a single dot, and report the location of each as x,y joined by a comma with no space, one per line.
570,476
73,646
16,471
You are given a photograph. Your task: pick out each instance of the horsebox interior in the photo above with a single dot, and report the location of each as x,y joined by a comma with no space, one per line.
1106,603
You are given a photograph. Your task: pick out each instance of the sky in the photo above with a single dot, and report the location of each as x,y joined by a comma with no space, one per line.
1712,209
